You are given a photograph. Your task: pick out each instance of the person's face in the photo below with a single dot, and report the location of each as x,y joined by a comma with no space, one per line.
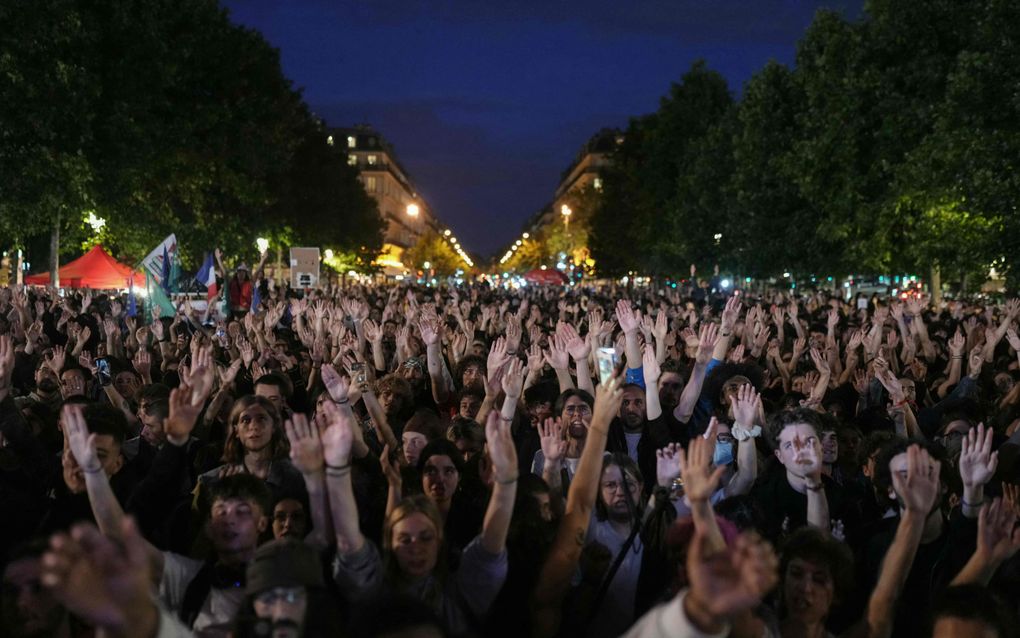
110,459
414,443
909,389
72,383
127,384
799,449
467,447
271,392
389,330
285,607
544,505
952,627
539,411
473,377
235,525
849,441
469,406
614,492
46,379
389,401
289,520
440,478
898,465
28,608
478,349
632,410
415,545
1003,383
413,375
671,386
797,385
254,428
808,590
830,447
577,416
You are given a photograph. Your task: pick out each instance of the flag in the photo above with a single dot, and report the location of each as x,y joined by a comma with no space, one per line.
153,262
206,276
164,279
157,297
132,309
256,297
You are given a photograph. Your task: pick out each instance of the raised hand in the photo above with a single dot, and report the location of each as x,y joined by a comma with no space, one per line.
497,354
956,344
891,383
338,386
998,539
373,333
625,316
667,464
390,469
428,325
202,374
737,354
554,445
338,437
513,335
578,348
730,315
513,378
57,361
976,362
977,461
500,445
556,356
305,445
700,479
81,443
745,407
707,338
142,363
821,363
536,359
1013,339
184,410
731,581
650,368
919,489
661,325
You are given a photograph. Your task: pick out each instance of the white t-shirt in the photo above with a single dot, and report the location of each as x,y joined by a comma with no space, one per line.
220,605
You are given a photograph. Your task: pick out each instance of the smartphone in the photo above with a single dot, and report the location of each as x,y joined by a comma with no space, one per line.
607,360
358,370
103,371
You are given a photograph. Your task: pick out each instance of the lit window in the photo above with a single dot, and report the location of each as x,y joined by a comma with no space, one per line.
329,140
597,183
352,142
372,159
370,184
352,160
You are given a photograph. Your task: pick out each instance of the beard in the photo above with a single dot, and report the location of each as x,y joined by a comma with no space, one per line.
47,385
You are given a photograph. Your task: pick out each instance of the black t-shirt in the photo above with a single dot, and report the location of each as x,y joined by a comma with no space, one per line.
785,508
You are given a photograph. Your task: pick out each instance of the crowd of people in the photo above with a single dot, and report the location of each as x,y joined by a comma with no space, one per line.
399,460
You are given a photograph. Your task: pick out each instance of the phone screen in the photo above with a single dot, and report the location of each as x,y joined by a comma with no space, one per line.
103,371
607,360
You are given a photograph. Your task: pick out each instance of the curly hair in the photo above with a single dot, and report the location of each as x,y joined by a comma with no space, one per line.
796,416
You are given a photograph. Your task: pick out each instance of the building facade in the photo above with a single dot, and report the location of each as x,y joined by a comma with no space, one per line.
406,213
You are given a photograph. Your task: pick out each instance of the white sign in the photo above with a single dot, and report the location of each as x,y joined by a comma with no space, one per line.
153,262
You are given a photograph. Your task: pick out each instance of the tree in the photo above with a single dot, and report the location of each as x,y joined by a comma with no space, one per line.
434,249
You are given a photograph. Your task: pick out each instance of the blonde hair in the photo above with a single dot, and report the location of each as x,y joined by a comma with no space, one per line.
407,507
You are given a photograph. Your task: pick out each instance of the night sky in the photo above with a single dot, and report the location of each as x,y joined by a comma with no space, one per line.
486,102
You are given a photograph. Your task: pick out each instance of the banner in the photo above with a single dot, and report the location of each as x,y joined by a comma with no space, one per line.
153,262
304,268
157,298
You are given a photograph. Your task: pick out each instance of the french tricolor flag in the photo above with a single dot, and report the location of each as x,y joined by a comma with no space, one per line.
206,276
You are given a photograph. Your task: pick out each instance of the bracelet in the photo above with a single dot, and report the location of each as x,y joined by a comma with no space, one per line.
95,471
345,466
336,472
508,482
958,357
344,402
814,488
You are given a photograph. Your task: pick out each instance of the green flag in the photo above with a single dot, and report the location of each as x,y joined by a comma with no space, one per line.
157,297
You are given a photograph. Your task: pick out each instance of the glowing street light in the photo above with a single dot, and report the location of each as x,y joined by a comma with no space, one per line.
96,223
427,265
413,210
525,235
447,232
329,253
262,244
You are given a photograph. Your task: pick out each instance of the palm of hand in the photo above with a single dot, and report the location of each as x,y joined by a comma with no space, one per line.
578,348
336,444
975,468
667,469
306,454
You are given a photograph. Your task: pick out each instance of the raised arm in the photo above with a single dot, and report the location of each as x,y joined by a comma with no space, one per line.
337,439
689,397
977,467
746,428
306,455
651,370
630,323
501,451
429,327
918,491
997,542
729,319
562,560
579,349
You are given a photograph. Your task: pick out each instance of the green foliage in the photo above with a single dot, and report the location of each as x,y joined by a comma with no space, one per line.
162,116
433,248
891,145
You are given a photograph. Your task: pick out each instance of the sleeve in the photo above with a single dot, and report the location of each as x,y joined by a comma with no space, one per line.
480,576
668,620
538,465
359,575
636,376
178,572
170,627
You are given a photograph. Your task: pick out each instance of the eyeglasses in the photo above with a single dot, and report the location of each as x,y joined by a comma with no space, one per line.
724,438
577,409
289,595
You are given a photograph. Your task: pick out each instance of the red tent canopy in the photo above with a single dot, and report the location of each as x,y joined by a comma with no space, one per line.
547,276
95,269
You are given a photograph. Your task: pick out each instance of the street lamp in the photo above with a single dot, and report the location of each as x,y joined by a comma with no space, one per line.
566,212
427,265
329,253
525,235
413,210
262,244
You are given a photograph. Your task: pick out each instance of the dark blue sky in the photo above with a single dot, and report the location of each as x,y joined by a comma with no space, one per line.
488,101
